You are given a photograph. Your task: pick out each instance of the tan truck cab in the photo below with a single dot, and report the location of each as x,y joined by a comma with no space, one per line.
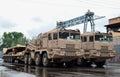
58,45
98,47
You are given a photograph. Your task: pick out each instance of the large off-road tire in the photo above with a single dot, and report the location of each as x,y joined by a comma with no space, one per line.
45,60
38,59
85,63
59,64
71,63
29,60
26,59
68,64
18,61
12,60
100,64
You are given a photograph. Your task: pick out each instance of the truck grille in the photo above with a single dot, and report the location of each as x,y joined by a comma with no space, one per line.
70,54
104,51
104,48
69,50
104,54
70,45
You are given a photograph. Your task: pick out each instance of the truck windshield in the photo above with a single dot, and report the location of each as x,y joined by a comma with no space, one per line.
103,38
67,35
74,36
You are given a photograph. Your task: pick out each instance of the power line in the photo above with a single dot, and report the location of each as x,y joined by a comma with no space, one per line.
111,2
100,4
96,3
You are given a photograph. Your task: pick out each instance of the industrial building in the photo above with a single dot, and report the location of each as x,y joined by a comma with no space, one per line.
114,28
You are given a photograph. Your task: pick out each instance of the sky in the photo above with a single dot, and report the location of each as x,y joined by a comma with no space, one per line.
32,17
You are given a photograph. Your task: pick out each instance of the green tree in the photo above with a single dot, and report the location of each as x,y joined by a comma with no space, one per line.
11,39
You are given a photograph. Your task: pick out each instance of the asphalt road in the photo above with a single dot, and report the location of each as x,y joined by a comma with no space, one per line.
9,70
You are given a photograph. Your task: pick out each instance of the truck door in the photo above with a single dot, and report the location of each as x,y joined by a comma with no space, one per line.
90,43
45,42
84,42
52,40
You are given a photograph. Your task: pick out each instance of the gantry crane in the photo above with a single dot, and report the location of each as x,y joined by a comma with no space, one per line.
88,17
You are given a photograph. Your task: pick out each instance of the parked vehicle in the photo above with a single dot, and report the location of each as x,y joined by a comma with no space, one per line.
56,46
97,48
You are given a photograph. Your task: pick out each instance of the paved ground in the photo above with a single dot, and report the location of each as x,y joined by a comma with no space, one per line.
8,70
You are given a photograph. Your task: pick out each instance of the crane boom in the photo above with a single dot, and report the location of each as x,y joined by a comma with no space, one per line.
88,17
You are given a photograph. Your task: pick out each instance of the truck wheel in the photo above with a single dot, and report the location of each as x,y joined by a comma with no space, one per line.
26,59
12,60
71,63
68,64
59,64
45,60
100,64
29,60
85,63
37,59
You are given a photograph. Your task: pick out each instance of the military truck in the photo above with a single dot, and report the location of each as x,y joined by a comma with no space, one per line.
97,48
14,54
64,45
56,46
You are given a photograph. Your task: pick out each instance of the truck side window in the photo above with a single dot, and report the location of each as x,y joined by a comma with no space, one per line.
49,37
91,39
63,35
54,36
84,39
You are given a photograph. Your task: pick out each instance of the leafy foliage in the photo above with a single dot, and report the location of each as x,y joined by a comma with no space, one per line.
11,39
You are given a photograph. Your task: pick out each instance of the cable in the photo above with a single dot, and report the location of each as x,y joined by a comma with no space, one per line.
98,4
